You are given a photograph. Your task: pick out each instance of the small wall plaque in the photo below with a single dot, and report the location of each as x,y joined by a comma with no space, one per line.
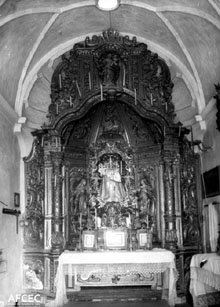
16,199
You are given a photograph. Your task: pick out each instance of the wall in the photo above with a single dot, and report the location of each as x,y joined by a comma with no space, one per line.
10,241
211,158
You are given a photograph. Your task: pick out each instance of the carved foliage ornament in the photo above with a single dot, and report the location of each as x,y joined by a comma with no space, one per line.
191,232
33,232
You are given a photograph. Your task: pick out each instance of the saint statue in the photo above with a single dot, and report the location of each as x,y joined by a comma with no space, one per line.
146,198
81,197
111,188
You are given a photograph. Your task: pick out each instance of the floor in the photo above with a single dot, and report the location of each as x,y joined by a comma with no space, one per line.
125,303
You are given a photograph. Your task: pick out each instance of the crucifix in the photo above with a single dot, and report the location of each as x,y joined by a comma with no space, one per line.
12,212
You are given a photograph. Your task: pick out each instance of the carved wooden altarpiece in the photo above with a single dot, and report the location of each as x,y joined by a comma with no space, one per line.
111,157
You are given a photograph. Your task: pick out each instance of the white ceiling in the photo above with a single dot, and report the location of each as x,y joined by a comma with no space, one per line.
34,33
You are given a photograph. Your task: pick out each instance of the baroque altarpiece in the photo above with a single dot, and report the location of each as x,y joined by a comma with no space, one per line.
110,157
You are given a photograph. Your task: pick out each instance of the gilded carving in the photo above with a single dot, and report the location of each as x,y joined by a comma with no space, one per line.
190,220
34,227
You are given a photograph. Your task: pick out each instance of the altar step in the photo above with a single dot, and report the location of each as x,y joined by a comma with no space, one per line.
115,293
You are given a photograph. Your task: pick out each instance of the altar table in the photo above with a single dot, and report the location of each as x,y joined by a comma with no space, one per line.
115,262
205,280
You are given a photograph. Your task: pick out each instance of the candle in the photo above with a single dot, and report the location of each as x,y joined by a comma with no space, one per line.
90,85
56,142
71,103
80,220
151,99
101,89
164,131
98,222
166,106
121,167
57,108
135,96
127,222
42,141
123,84
96,218
60,81
55,180
179,130
77,85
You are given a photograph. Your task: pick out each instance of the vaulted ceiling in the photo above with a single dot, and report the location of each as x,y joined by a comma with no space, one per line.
35,33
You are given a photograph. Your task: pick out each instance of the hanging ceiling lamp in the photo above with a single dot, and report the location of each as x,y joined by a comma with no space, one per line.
107,5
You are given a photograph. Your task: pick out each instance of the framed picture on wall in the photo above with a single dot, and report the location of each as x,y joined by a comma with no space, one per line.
211,183
16,199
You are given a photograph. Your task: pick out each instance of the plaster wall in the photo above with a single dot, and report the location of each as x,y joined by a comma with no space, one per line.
10,241
211,140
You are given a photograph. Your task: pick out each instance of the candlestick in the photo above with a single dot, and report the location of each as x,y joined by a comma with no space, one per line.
57,108
101,89
90,85
71,103
166,106
60,81
55,180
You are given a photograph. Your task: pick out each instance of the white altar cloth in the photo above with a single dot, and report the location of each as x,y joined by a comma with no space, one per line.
157,260
206,279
